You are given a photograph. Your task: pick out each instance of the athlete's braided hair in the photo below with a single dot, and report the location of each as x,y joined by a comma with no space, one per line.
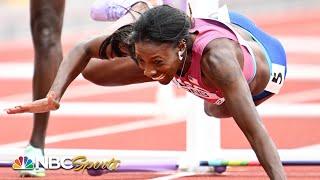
119,36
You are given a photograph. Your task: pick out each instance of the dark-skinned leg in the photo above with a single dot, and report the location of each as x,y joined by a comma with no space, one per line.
46,25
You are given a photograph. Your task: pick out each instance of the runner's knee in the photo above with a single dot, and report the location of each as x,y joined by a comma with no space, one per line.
46,29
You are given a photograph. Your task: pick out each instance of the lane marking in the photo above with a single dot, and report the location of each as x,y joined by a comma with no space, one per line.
152,109
297,97
86,90
24,71
175,176
300,44
102,131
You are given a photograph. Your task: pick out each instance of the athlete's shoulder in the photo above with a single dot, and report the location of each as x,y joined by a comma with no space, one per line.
220,48
220,57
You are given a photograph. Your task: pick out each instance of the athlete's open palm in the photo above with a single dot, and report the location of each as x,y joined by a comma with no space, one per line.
39,106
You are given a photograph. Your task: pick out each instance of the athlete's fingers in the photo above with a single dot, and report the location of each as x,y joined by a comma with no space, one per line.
15,110
39,106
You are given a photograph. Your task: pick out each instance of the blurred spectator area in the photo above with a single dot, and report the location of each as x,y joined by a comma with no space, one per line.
270,6
14,14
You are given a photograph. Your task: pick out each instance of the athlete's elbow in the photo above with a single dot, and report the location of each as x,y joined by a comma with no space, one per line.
91,76
82,48
86,75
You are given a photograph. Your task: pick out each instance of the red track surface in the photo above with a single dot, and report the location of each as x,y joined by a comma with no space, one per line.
169,137
243,173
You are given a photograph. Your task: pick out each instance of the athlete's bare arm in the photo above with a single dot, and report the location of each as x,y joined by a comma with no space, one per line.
73,64
228,76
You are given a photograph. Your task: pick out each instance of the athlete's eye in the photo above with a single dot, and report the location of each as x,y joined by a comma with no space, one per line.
158,62
140,61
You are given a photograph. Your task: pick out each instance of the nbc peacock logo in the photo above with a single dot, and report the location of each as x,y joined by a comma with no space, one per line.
23,163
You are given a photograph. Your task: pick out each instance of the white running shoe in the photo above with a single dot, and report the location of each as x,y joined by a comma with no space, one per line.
33,153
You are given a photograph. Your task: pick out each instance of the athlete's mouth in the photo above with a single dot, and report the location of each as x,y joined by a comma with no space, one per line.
159,77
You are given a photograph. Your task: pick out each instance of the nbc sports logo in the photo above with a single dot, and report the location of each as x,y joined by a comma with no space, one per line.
23,163
52,162
27,163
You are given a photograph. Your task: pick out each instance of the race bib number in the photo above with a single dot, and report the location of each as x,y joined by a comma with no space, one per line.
276,78
198,91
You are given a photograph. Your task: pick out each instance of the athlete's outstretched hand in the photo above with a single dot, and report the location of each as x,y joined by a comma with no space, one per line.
39,106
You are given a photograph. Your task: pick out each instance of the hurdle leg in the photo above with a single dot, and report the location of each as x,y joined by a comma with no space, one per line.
203,132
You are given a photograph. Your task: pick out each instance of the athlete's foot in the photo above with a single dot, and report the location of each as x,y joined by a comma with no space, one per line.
33,153
103,10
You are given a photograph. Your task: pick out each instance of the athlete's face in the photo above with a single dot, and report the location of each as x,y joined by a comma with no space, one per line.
159,61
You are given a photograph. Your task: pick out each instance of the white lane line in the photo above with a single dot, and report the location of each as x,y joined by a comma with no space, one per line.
304,72
151,109
289,110
24,71
18,70
85,90
300,44
96,109
175,176
297,97
102,109
107,130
